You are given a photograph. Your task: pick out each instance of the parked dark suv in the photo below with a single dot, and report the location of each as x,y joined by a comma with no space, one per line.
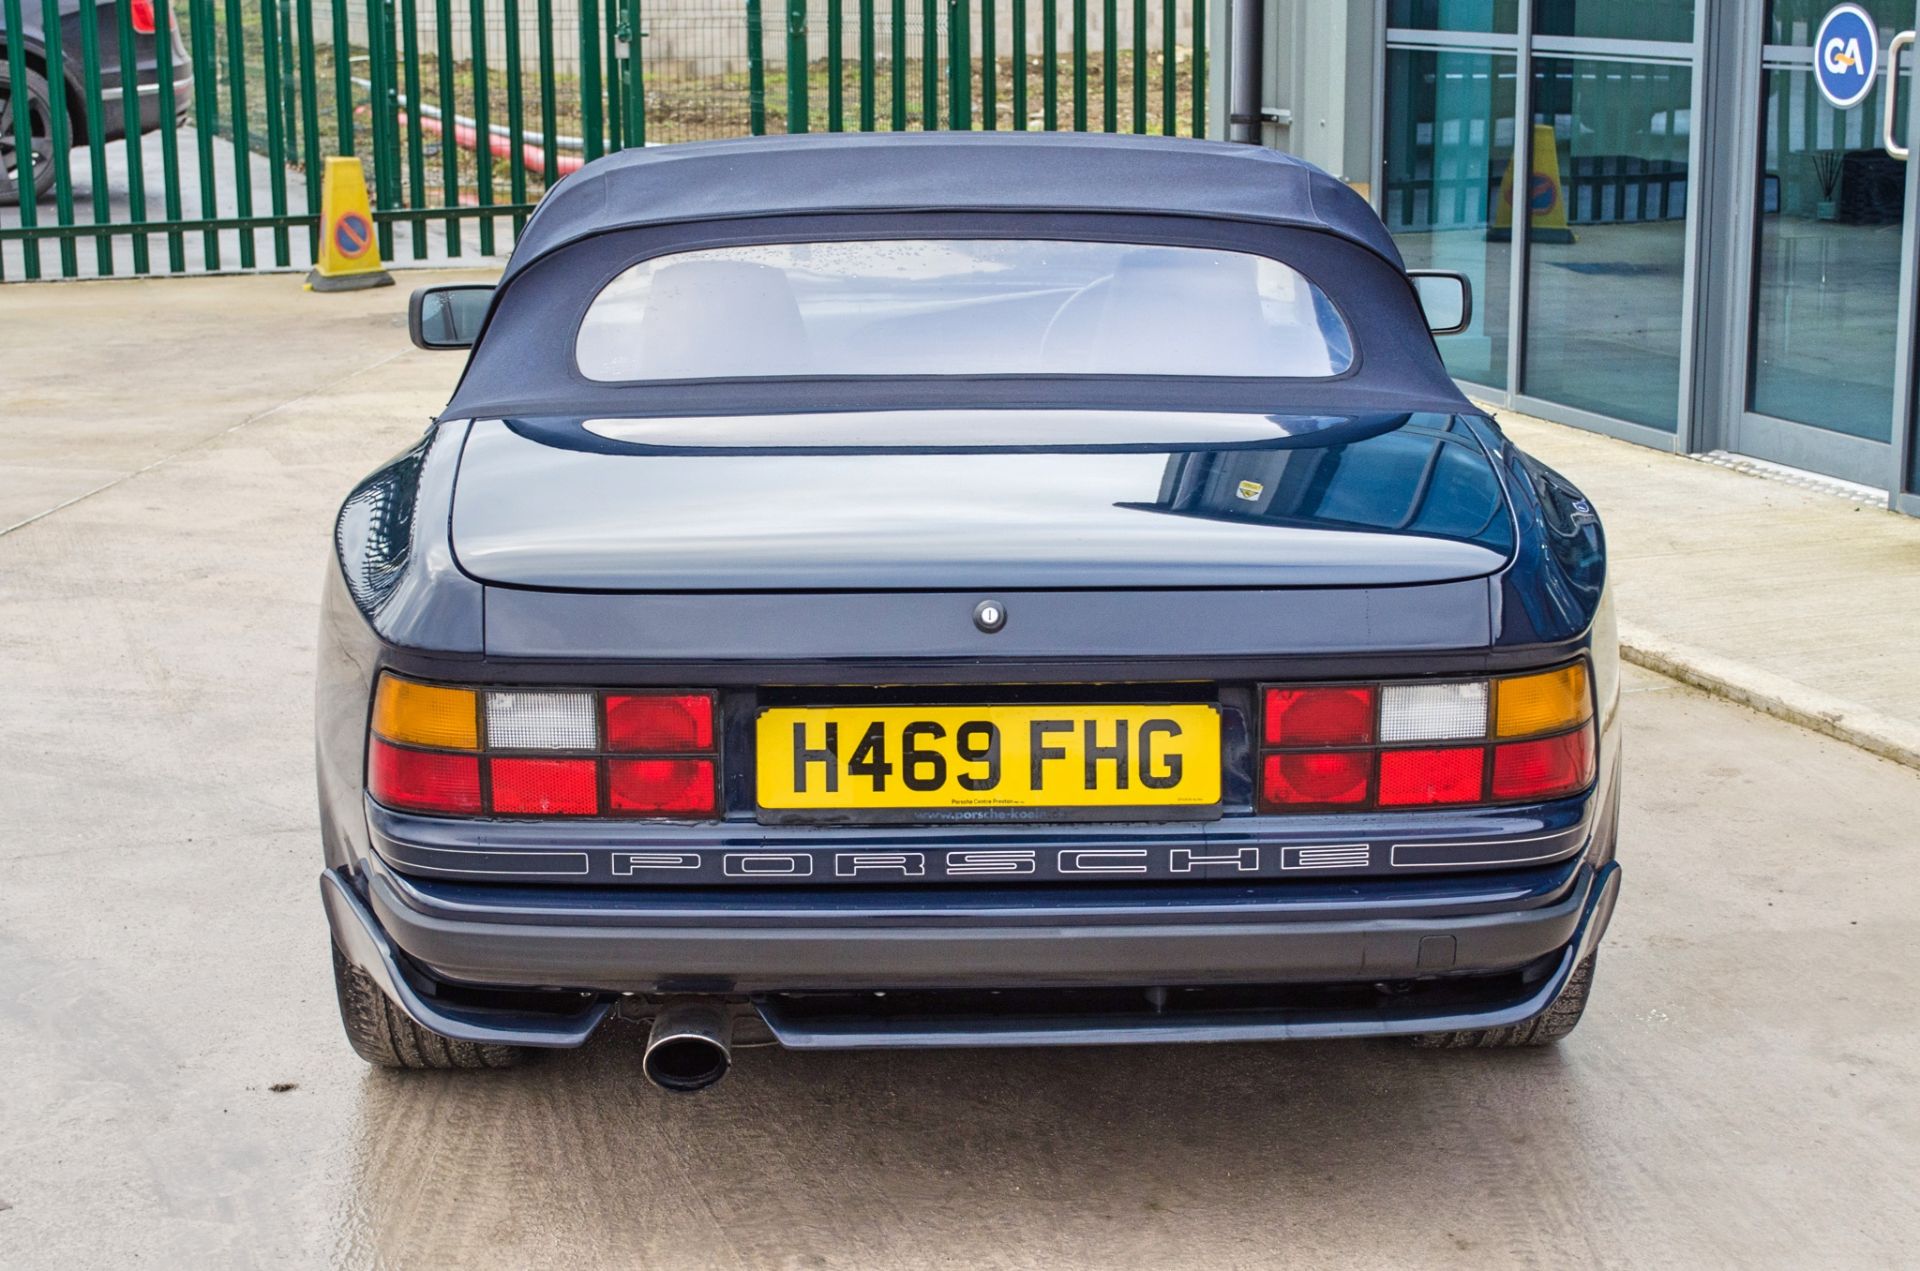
34,94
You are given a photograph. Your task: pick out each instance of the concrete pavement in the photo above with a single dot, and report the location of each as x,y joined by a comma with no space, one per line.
1745,1090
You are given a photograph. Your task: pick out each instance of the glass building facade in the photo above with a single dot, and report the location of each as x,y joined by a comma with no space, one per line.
1672,235
1827,263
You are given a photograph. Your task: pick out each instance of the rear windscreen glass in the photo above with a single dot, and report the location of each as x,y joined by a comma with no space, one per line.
960,307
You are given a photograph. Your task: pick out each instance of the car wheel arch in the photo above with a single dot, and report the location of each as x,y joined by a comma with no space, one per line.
33,55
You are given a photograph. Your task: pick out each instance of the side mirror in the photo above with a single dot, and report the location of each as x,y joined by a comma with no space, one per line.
1446,298
449,316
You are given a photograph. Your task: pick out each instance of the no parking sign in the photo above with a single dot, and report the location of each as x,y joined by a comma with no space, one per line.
1846,52
352,234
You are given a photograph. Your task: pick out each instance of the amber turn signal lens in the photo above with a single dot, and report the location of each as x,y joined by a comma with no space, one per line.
1529,704
426,714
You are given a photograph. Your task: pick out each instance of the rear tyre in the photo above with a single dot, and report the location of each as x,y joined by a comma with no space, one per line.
1543,1029
383,1035
36,104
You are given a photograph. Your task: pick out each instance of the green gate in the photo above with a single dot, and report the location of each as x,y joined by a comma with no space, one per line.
465,112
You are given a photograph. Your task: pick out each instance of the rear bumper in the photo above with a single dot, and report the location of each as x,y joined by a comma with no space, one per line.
153,101
409,939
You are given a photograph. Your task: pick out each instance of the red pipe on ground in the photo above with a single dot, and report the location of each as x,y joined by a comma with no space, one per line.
467,137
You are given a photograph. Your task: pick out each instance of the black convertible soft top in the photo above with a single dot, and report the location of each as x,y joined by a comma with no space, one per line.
946,171
639,204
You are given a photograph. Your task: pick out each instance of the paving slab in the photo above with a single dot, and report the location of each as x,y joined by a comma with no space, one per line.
105,378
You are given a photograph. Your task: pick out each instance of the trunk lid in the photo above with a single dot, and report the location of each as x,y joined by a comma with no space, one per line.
977,500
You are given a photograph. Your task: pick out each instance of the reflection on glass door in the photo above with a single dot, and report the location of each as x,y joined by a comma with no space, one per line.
1448,147
1606,269
1830,208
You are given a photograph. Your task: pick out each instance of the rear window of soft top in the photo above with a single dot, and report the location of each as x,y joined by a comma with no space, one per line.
918,307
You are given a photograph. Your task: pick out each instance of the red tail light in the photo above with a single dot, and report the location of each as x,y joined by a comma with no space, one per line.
660,786
141,12
545,787
1409,778
1543,769
1322,779
660,723
543,752
423,780
1442,742
1319,716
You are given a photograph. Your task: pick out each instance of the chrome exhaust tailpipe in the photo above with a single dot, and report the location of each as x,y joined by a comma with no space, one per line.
690,1048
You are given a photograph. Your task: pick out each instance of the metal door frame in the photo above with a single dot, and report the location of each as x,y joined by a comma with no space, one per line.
1727,421
1902,487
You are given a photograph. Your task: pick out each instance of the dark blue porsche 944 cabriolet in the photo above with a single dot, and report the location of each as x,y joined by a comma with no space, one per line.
960,590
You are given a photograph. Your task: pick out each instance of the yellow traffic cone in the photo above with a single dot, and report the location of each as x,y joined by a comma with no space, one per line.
1546,198
349,256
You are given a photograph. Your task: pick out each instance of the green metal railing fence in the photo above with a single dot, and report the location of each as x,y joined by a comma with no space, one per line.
465,112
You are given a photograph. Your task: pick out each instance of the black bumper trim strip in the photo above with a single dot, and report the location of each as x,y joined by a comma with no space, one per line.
1264,944
799,1034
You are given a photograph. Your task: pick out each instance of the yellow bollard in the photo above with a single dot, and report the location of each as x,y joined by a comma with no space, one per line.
349,256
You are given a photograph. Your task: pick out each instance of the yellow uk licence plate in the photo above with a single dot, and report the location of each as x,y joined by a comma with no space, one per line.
827,758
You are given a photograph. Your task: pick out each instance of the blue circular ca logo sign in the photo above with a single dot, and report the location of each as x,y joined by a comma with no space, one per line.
1845,53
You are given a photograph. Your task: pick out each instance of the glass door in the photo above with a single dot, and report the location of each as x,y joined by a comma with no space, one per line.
1831,235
